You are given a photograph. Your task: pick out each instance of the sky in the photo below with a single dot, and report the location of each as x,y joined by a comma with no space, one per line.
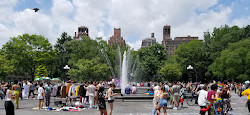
136,18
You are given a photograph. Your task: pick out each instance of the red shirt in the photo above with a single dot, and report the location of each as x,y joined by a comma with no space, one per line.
209,95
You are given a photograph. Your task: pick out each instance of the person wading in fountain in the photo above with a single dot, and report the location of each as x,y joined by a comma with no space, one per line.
111,98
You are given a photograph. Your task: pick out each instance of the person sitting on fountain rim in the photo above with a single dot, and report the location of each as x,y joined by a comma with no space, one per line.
127,90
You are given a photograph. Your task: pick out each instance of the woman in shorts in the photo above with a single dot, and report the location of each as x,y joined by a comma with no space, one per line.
163,95
40,96
111,98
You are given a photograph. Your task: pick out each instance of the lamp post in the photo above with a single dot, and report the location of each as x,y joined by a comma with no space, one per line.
66,68
190,68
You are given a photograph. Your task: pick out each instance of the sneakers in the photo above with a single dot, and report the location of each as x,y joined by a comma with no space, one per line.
175,108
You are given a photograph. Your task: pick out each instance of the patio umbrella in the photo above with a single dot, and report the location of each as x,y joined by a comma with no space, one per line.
56,79
38,79
46,78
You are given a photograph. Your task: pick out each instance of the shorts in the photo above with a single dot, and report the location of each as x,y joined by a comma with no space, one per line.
111,101
176,98
163,102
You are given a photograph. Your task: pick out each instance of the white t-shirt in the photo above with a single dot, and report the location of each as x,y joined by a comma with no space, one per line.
91,90
202,98
40,92
156,88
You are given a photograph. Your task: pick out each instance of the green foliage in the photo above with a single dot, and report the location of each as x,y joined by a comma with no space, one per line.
41,71
27,52
62,57
150,61
6,68
170,72
192,54
86,69
233,62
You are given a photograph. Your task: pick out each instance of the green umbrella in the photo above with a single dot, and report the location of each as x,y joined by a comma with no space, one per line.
46,78
38,79
56,79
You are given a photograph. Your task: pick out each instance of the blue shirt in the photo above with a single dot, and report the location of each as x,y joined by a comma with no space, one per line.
127,90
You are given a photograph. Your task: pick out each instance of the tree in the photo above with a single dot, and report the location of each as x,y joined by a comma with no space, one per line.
150,61
27,52
6,67
86,69
170,72
62,57
233,64
193,54
41,71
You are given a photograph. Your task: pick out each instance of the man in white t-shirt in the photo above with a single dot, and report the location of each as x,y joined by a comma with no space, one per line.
202,98
156,87
91,89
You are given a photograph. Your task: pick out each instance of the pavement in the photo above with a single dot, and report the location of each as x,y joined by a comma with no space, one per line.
129,107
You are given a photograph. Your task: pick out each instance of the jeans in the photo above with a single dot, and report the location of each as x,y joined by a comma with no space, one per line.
47,102
154,109
91,101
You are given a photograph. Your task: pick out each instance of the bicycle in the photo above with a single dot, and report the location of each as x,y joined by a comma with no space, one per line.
192,100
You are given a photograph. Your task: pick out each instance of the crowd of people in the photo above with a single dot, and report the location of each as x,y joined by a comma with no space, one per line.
90,93
213,98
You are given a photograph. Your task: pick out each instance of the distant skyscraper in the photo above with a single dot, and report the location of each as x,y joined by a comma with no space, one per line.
171,45
82,31
148,41
116,38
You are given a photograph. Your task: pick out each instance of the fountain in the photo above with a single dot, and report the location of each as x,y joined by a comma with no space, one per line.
124,73
120,62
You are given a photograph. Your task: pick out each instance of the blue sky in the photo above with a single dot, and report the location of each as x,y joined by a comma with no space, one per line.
136,18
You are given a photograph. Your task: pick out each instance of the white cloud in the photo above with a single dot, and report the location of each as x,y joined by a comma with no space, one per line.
136,18
241,21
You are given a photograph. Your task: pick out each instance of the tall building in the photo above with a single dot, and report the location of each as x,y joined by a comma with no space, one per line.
116,38
171,45
82,31
148,41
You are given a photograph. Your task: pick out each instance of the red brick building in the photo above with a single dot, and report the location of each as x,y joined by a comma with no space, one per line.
116,38
171,45
82,31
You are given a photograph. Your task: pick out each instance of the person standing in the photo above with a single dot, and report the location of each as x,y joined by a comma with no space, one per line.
101,101
25,91
91,90
40,96
16,88
111,97
211,98
163,95
48,89
155,100
176,94
202,98
247,92
32,88
82,93
9,107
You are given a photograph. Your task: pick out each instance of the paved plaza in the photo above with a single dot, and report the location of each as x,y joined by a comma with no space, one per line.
130,107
